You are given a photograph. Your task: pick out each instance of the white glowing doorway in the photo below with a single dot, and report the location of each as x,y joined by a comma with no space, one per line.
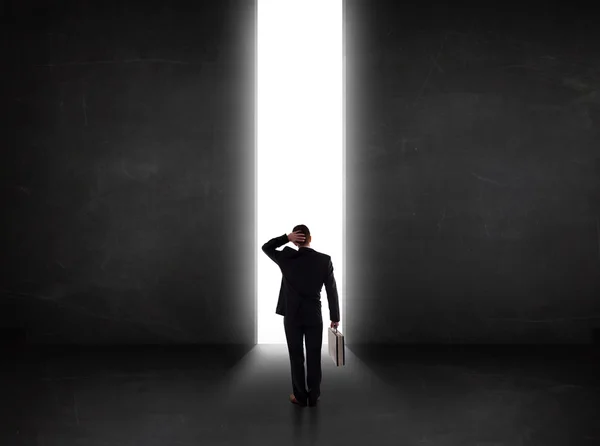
300,146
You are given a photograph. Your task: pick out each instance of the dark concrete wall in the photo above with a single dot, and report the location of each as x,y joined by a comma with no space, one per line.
473,174
127,136
472,178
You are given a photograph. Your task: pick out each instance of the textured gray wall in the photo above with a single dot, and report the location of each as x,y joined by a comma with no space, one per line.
473,180
127,135
473,175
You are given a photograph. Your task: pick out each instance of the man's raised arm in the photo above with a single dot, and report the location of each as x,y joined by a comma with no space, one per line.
270,248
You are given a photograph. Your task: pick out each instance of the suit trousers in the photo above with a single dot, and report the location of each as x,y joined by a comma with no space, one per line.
296,332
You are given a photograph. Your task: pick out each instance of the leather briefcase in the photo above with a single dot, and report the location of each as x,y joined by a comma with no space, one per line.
337,349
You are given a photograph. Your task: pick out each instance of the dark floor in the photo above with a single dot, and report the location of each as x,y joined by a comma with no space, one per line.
236,396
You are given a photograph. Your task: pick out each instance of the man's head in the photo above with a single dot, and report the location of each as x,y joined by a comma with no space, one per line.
304,230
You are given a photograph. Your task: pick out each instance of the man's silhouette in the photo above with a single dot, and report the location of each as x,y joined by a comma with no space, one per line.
304,273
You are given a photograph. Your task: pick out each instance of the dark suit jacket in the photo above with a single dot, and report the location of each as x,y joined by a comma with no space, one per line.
304,271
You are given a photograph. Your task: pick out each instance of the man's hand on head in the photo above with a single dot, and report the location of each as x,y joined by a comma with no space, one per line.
297,237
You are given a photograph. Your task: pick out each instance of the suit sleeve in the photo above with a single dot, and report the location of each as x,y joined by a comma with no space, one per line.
270,248
332,294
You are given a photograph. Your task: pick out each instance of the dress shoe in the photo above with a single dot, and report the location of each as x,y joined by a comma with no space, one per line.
293,400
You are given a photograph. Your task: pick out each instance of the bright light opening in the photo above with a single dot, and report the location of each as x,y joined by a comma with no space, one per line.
299,141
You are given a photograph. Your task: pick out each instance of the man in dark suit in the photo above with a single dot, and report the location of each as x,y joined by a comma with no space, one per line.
304,273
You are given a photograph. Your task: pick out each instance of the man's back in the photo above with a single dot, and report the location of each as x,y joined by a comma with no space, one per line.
304,271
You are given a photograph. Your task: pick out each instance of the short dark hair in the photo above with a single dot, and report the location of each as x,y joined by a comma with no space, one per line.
304,230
